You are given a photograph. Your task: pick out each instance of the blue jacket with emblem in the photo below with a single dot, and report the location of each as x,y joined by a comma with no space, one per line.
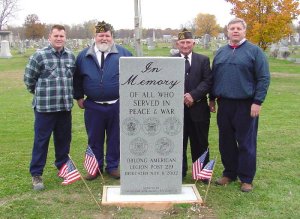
95,83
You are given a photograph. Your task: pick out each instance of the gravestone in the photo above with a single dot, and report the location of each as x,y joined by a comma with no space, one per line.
167,38
21,47
274,50
150,44
297,36
80,43
284,42
44,43
27,44
174,50
91,41
283,52
151,124
206,41
5,51
297,60
5,35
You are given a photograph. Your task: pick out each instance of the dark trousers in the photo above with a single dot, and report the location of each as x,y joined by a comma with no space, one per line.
45,123
237,139
197,132
102,121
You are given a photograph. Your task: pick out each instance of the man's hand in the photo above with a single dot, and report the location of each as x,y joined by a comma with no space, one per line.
212,106
255,110
188,100
80,103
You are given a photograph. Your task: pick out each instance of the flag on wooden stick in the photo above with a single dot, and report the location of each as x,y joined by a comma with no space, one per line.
206,172
69,172
90,162
198,165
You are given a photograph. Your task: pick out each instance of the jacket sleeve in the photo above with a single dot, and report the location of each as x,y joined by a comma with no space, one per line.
32,73
78,80
262,75
204,87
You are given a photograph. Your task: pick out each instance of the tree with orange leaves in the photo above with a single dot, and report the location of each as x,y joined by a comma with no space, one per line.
206,24
268,21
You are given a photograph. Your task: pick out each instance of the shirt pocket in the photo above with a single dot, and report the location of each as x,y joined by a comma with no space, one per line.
70,69
50,71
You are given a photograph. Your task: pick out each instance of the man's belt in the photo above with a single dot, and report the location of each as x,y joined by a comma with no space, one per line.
106,102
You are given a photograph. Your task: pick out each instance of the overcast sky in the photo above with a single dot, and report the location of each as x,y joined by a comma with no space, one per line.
120,13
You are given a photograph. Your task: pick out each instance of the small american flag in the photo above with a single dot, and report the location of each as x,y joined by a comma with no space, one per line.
62,171
69,172
90,162
206,172
198,165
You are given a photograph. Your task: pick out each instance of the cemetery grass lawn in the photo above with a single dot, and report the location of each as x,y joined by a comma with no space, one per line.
276,186
17,63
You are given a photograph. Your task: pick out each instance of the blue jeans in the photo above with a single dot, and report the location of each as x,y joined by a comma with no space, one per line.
58,123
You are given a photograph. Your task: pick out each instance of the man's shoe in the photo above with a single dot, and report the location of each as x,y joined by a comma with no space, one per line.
114,174
223,181
246,187
37,183
90,177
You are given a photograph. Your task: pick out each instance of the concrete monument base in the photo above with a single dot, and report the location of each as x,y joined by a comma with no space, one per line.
111,196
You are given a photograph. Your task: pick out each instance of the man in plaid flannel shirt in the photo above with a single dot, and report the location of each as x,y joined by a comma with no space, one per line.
49,77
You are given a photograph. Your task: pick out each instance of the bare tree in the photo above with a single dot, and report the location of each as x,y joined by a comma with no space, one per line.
8,9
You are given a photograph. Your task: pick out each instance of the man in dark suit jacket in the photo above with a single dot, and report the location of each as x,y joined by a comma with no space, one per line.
198,82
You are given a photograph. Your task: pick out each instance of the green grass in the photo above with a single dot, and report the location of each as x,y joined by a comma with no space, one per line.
284,66
277,182
16,63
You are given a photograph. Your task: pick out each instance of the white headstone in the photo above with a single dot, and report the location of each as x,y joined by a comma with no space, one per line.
5,51
283,52
151,123
297,36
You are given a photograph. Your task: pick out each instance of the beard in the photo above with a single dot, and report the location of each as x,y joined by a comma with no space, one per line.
104,47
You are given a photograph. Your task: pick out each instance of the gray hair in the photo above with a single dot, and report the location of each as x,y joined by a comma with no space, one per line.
237,20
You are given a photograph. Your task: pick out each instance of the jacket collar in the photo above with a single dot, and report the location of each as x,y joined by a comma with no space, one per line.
91,51
234,46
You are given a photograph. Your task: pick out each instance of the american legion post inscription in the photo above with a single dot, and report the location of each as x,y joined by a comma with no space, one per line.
151,124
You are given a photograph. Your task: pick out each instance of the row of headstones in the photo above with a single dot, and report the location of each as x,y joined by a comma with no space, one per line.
38,44
282,51
76,44
22,45
204,41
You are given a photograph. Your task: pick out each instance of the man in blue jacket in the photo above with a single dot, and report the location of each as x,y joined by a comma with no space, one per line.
241,79
97,80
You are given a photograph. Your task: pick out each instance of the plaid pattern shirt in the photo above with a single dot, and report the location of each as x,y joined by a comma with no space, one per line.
49,76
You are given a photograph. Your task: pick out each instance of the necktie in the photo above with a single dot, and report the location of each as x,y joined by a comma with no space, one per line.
187,70
187,65
102,60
